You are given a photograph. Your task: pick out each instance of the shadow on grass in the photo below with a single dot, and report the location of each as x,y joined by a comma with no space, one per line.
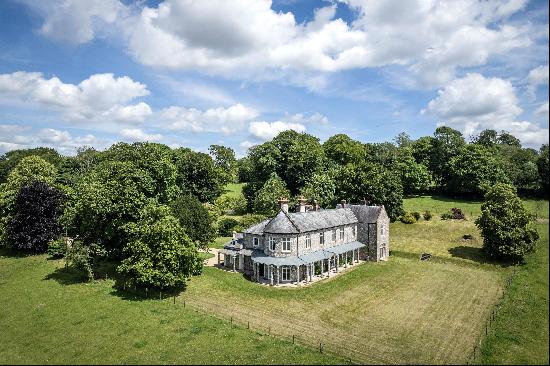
15,253
477,255
67,276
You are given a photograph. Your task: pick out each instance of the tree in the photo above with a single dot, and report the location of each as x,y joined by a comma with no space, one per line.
415,177
321,187
244,168
505,224
542,165
158,252
341,149
224,158
12,158
447,143
403,140
373,182
505,138
29,169
194,219
487,138
473,170
267,197
197,174
112,195
34,220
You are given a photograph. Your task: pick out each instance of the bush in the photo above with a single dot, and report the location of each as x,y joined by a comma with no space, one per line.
407,218
416,215
248,220
231,205
227,225
427,215
505,224
455,214
57,248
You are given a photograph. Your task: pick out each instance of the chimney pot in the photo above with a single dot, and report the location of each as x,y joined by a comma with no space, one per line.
302,204
283,204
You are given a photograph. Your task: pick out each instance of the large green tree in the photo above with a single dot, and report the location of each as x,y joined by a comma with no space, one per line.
542,165
342,150
267,197
446,144
321,187
225,160
194,218
11,158
505,224
158,252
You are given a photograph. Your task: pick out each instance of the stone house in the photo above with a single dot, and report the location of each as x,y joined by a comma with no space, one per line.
308,244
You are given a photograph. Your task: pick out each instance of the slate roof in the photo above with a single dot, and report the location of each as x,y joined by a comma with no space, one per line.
260,257
298,222
257,229
368,214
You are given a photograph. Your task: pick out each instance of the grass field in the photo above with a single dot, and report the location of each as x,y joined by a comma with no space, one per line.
233,189
48,316
401,311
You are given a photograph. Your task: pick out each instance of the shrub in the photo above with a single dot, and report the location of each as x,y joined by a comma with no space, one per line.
231,205
416,215
226,226
427,215
57,248
248,220
505,224
407,218
455,214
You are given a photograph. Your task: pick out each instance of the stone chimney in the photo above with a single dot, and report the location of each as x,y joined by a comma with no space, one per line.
283,204
343,203
302,204
315,205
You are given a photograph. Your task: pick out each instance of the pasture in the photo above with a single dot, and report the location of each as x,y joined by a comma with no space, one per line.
401,311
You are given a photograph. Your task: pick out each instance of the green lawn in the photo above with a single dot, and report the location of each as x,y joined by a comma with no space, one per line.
233,189
48,316
220,241
401,311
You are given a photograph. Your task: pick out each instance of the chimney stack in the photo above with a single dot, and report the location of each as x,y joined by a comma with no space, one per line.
302,204
283,204
315,205
343,203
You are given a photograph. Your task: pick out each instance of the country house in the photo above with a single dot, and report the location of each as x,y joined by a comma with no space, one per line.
303,246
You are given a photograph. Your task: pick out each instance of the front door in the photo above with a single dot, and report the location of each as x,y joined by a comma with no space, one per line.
262,271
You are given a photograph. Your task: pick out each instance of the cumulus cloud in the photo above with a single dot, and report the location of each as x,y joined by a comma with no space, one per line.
268,130
22,137
315,118
136,134
537,76
225,120
542,111
101,97
245,38
474,103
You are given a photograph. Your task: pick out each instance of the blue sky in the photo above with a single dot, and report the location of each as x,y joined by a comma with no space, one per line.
195,73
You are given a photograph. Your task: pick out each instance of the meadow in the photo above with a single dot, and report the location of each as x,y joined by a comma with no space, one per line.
401,311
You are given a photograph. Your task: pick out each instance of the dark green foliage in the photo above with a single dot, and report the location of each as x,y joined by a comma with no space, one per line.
342,150
79,256
248,220
244,169
416,215
321,187
505,138
194,219
158,252
34,220
11,158
372,182
427,215
415,177
231,205
447,216
446,144
505,224
227,225
474,169
57,248
542,165
266,201
407,218
487,138
454,214
197,174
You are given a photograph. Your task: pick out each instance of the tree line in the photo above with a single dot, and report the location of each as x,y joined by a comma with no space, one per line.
148,207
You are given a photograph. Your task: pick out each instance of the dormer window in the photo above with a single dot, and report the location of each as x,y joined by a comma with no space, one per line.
272,243
255,242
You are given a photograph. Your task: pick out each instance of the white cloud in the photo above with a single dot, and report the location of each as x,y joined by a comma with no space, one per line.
537,76
77,21
226,120
23,137
315,118
136,134
542,111
246,144
475,103
268,130
247,38
101,97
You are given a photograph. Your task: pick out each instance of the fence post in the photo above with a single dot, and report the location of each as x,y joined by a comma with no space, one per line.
269,330
231,320
183,303
174,299
293,339
147,292
247,325
320,347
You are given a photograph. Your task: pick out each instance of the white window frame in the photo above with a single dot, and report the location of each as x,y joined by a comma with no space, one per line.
308,241
272,244
285,242
255,241
342,233
322,238
334,235
285,273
